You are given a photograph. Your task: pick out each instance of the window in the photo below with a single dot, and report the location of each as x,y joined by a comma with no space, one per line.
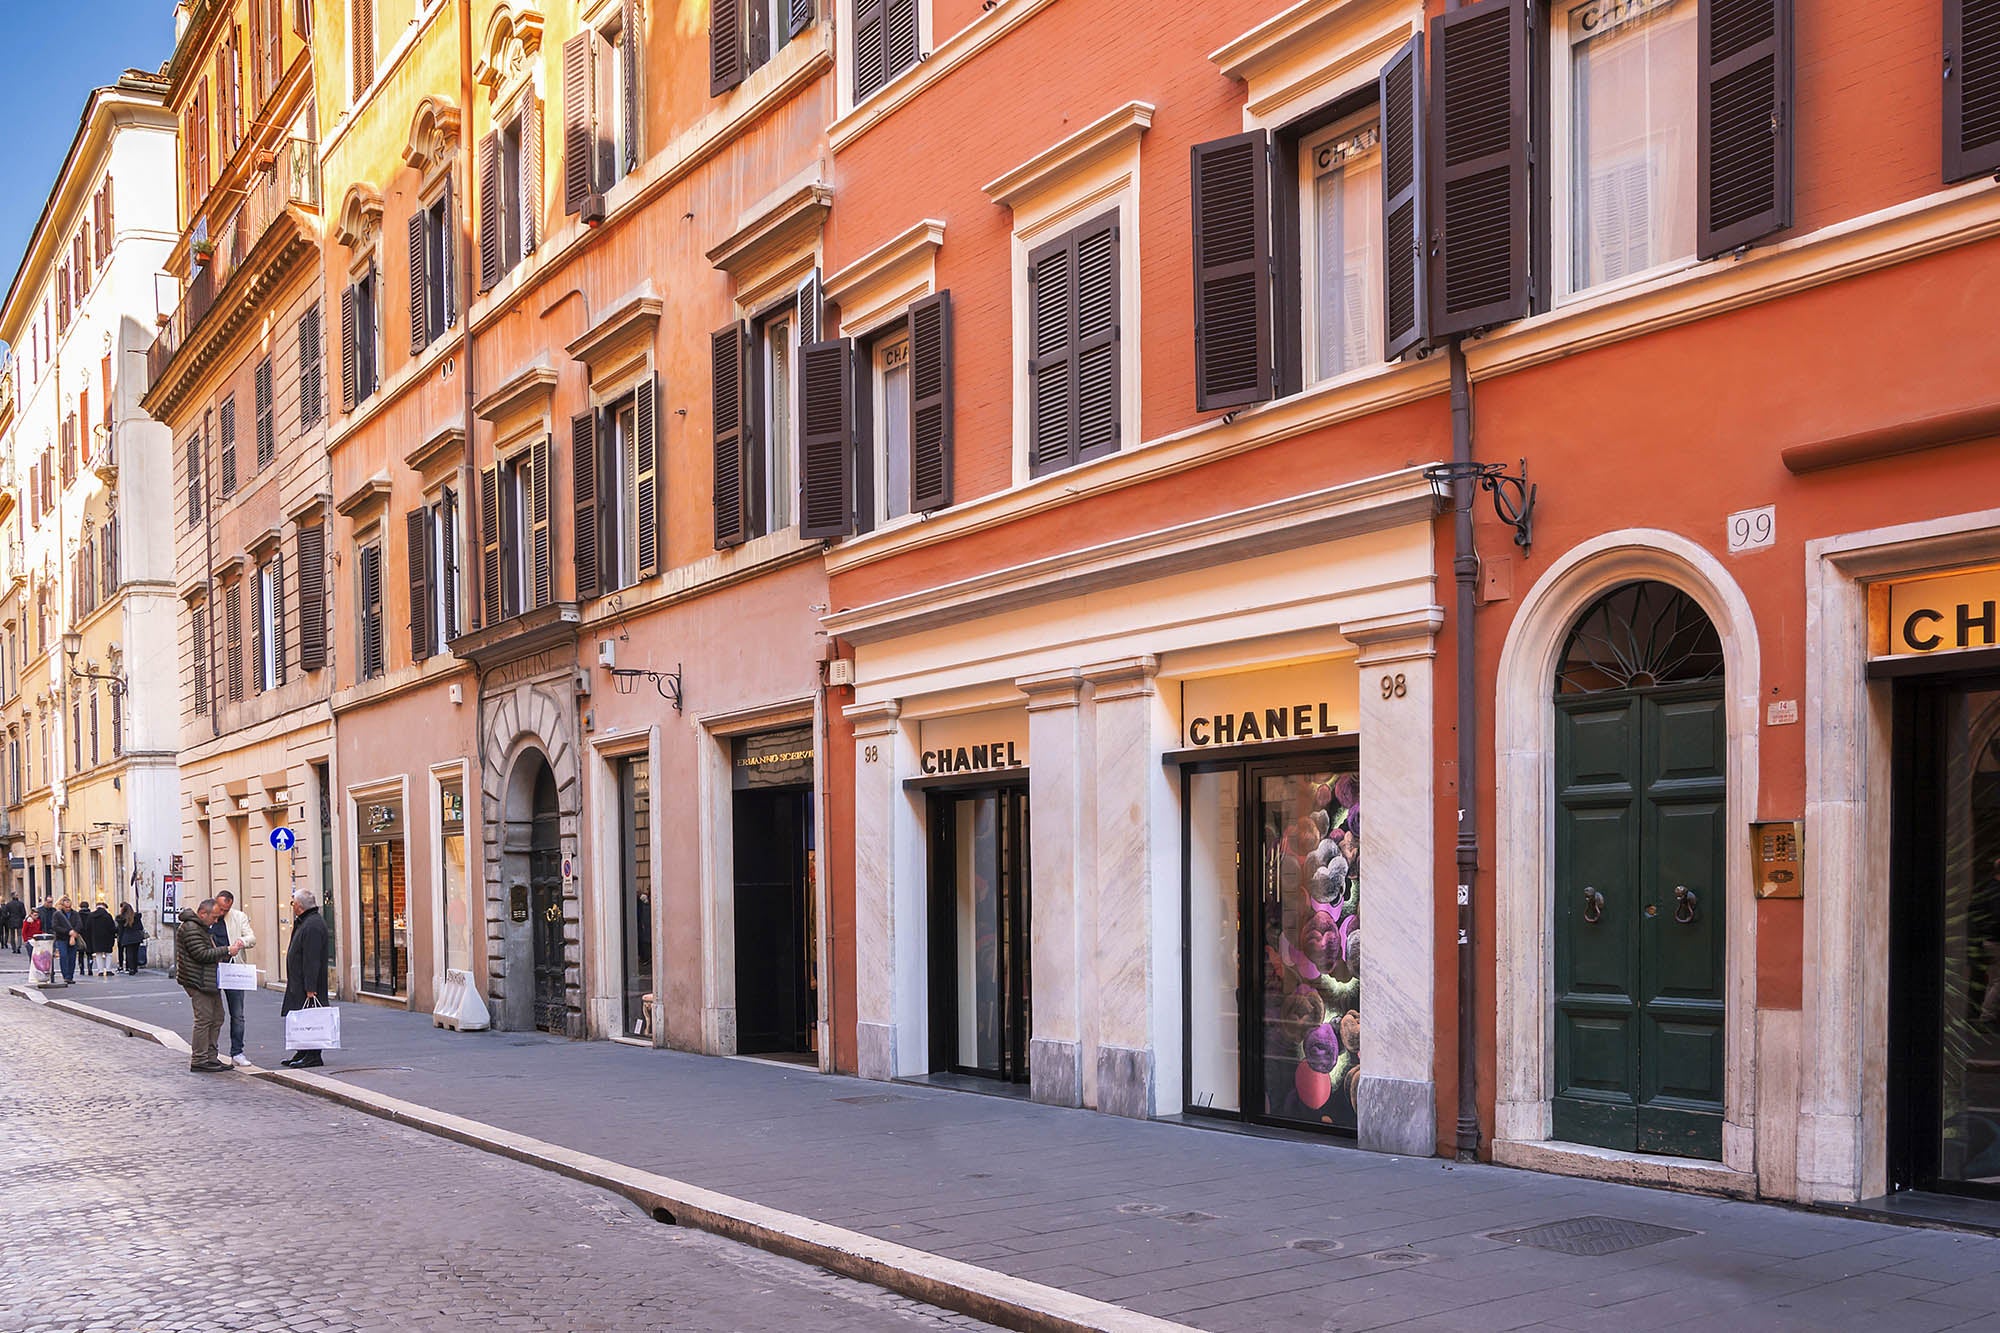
1073,347
270,624
1340,246
433,306
614,450
359,327
510,160
770,481
743,35
368,602
267,441
433,546
226,427
515,535
885,43
600,108
890,363
194,148
232,638
95,753
1625,76
312,373
312,598
361,39
194,470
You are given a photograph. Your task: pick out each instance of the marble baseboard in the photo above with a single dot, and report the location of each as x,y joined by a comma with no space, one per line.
1125,1081
1055,1072
875,1053
1397,1115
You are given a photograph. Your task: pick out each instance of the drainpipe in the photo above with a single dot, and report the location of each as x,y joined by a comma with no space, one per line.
1465,569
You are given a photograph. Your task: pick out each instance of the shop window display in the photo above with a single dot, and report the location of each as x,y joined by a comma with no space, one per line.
1312,946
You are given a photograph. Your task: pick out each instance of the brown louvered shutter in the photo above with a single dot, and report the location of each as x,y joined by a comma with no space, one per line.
1097,336
1478,130
417,523
420,324
227,417
447,254
350,349
193,481
1971,88
647,475
257,85
1052,355
489,546
540,537
930,404
800,13
1743,168
257,630
372,662
312,598
628,56
108,229
448,574
489,212
587,521
725,46
278,645
826,439
363,36
810,303
531,173
232,638
267,435
579,92
871,59
198,634
1405,301
729,353
312,386
1234,348
900,35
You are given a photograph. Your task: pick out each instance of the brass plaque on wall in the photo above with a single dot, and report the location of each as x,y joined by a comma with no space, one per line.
1777,854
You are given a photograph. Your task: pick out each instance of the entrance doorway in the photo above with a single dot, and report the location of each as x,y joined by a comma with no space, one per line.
1272,865
545,902
981,984
775,1002
1944,945
1640,841
384,899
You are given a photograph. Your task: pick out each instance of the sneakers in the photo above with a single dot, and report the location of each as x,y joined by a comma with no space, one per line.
240,1061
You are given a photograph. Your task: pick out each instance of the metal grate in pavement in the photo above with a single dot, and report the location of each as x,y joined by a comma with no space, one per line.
1590,1236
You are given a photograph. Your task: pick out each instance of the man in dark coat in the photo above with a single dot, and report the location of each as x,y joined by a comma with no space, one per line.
305,968
12,915
195,956
101,933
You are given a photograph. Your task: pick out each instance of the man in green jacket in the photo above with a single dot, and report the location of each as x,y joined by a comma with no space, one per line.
195,955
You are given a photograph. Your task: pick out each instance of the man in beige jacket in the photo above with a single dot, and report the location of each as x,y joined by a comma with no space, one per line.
232,927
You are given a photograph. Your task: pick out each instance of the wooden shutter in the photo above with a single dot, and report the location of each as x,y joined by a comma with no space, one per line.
350,349
489,211
729,359
417,525
267,436
228,454
198,633
1052,355
1235,354
312,598
826,439
579,91
447,254
1478,130
312,367
1097,336
900,35
930,404
647,475
531,173
628,55
1971,88
489,546
800,12
725,46
448,574
371,611
1743,126
232,638
1405,300
871,59
587,520
364,46
257,630
278,645
420,324
108,229
257,85
810,302
193,481
538,524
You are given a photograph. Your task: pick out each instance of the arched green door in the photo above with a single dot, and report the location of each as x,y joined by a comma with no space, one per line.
1640,835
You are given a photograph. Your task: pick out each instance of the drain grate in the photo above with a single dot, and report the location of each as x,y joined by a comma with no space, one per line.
872,1099
1141,1209
1402,1256
1591,1236
1188,1218
1315,1244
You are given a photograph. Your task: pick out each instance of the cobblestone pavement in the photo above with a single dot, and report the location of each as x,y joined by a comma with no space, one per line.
138,1198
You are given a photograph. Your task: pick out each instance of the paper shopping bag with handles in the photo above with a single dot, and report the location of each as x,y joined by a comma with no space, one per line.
313,1029
235,976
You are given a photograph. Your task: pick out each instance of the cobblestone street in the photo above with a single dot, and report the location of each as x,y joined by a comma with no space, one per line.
141,1199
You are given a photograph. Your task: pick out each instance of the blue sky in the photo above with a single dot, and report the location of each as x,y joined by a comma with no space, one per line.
54,55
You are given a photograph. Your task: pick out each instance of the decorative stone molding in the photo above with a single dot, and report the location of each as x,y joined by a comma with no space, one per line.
365,498
1128,678
610,348
530,391
359,220
871,721
1051,169
434,132
444,449
513,37
883,283
775,241
1314,53
1052,689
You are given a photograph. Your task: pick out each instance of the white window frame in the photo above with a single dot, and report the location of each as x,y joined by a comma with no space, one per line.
267,623
881,353
447,544
1360,125
777,331
1562,160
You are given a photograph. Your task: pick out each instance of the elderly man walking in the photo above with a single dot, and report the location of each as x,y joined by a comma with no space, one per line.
231,926
305,968
195,955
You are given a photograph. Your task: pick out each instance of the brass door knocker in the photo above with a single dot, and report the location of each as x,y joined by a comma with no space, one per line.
1686,904
1593,905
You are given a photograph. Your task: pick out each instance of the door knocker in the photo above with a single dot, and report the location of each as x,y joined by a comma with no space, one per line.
1685,904
1593,905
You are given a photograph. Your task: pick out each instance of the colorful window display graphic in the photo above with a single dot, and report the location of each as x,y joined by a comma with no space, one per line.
1310,893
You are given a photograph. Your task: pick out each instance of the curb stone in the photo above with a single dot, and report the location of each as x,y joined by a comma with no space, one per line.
997,1298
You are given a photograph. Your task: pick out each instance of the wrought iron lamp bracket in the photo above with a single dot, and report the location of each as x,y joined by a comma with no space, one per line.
668,683
1513,495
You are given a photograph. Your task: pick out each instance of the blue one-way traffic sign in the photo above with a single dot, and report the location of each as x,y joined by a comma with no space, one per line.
283,839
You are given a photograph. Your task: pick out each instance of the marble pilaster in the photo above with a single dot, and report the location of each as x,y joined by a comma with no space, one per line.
1059,877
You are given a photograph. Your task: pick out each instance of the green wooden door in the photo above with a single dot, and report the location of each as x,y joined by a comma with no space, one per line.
1639,919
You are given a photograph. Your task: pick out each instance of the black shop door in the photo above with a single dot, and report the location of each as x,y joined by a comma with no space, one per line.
774,930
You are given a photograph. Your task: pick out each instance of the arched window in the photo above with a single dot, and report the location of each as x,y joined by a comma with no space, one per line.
1639,636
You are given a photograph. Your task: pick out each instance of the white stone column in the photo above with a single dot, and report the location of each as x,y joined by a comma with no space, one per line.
1124,913
1396,1097
877,741
1058,874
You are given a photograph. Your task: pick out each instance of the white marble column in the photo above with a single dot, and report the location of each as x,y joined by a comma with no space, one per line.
1396,1097
1058,874
877,742
1123,911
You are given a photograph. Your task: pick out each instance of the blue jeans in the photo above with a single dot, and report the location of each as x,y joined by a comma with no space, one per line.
234,999
66,952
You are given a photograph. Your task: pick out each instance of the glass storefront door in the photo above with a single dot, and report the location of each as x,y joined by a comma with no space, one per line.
384,919
1945,939
1273,873
635,836
980,982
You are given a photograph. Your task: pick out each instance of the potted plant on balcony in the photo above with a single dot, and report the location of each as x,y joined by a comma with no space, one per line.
202,251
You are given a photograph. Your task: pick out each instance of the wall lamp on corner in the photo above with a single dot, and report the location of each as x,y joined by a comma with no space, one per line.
592,210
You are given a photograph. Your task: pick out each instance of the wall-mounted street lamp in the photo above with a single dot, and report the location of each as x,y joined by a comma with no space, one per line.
1513,496
72,646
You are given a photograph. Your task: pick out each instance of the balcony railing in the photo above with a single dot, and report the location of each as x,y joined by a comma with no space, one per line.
291,179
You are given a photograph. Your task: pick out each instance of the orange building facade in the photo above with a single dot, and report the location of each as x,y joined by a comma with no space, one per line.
1143,421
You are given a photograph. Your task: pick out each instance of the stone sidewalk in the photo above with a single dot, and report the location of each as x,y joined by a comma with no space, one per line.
1219,1230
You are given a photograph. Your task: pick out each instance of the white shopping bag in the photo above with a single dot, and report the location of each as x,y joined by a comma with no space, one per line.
314,1029
235,976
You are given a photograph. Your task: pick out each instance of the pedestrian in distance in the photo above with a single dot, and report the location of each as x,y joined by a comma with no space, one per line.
305,968
61,923
233,927
131,936
12,914
195,955
102,933
86,960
